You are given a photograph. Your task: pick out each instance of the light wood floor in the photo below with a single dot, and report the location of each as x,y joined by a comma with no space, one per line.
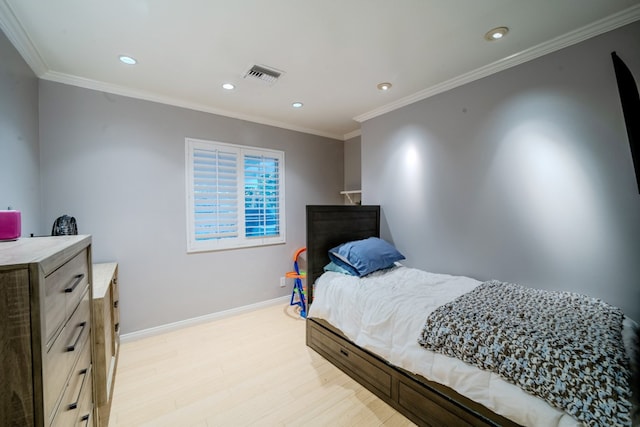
252,369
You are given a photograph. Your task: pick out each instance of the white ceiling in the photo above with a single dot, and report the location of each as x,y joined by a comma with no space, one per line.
333,52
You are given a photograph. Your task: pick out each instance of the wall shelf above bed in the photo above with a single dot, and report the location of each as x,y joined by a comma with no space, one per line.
352,197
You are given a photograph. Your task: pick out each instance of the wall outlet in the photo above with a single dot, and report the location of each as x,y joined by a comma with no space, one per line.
283,282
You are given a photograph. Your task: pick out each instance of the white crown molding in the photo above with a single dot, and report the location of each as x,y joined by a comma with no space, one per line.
16,34
14,31
352,134
176,102
609,23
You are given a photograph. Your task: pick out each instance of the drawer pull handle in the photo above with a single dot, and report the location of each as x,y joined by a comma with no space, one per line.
75,284
86,419
80,328
116,303
85,373
116,327
344,352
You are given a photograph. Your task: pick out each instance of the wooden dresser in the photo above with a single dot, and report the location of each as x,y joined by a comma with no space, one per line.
106,315
45,329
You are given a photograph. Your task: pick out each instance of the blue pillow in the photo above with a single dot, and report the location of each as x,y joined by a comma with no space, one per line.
362,257
332,266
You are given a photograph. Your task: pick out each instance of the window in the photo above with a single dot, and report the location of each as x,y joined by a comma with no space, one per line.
235,196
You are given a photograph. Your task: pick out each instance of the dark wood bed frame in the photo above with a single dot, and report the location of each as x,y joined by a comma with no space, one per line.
422,401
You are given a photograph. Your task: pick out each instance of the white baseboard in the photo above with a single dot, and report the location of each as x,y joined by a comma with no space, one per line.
133,336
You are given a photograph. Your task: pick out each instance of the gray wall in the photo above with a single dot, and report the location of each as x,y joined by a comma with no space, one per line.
118,165
19,167
352,164
523,176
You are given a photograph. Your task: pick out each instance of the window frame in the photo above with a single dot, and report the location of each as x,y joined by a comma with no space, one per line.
240,241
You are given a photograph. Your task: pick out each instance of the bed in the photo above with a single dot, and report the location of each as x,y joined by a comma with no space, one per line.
425,396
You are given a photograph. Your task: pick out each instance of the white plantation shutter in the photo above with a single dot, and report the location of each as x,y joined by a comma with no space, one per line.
234,196
215,198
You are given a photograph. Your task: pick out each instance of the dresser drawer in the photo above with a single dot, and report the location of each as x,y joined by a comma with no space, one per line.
84,416
63,289
77,399
64,352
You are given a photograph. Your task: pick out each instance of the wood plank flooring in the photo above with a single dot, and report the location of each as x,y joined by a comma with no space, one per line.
252,369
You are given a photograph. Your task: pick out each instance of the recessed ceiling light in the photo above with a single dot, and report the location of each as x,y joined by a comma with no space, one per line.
496,33
228,86
297,105
384,86
127,60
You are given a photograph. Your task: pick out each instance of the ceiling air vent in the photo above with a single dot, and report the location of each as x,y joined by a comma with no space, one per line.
267,75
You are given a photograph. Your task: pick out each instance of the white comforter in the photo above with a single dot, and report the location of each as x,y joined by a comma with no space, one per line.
385,312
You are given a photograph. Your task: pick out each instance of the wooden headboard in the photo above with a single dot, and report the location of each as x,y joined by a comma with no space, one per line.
328,226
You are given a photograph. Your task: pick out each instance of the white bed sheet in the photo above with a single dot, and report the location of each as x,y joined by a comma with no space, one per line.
385,312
